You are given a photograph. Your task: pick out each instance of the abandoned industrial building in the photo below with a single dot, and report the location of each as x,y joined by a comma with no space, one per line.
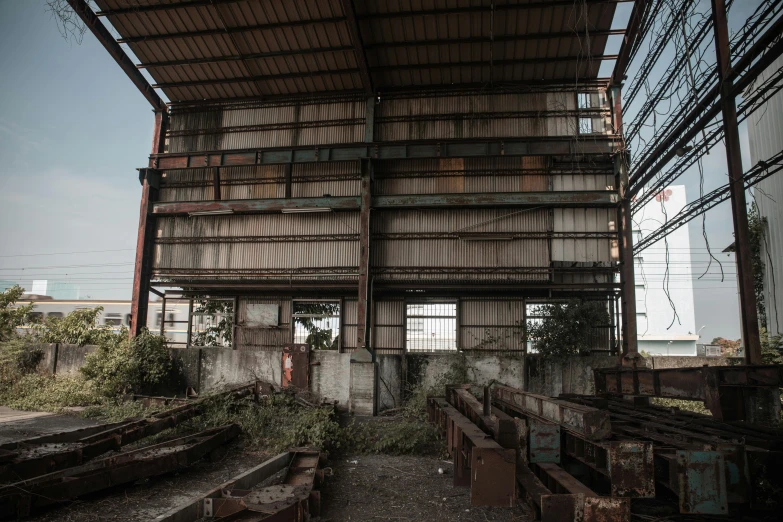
351,198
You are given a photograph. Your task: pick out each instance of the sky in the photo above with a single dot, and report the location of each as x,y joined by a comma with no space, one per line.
74,129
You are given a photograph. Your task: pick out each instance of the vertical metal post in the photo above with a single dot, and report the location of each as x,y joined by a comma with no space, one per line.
487,402
739,211
365,298
625,239
190,323
163,315
612,326
216,183
234,320
288,179
458,325
142,273
369,120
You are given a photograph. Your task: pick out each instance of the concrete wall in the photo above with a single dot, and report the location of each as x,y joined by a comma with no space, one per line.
70,358
391,381
691,362
483,369
221,366
330,376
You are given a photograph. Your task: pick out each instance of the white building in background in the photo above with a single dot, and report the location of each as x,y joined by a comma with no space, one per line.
765,135
660,332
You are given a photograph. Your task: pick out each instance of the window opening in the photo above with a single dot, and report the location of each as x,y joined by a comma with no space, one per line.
431,327
317,324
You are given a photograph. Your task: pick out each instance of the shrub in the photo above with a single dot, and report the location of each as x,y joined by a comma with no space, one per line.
78,327
12,316
120,365
566,328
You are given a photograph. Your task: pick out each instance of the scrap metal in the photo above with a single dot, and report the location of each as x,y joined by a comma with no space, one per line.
22,498
479,461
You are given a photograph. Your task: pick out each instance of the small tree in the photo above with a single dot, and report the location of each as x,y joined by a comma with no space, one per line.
78,327
563,329
12,316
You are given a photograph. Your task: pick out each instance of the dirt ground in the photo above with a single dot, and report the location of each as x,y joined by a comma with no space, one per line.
358,488
384,487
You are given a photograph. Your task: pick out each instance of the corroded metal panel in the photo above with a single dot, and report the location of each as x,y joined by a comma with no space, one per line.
631,469
606,509
701,482
544,442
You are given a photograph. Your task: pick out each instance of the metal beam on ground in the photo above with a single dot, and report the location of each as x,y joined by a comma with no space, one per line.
97,28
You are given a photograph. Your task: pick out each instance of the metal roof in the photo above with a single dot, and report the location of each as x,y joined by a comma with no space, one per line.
227,49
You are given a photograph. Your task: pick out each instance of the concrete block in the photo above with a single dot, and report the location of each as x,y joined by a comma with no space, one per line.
363,388
224,366
70,357
390,381
48,363
330,376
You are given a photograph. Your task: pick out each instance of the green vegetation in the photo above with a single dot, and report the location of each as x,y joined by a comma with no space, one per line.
11,316
694,406
563,329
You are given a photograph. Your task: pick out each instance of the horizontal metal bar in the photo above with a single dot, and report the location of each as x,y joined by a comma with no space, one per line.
164,7
540,4
240,57
263,78
502,38
230,30
496,63
415,201
535,146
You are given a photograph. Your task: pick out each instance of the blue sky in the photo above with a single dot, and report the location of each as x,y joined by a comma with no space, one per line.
73,129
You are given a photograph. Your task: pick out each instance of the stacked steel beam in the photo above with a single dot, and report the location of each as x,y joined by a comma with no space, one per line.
586,457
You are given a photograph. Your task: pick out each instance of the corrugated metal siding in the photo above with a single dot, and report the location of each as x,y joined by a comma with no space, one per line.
350,311
389,326
239,126
461,175
765,134
240,246
268,338
583,220
450,257
491,324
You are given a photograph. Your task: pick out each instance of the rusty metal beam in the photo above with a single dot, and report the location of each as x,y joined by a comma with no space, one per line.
739,211
251,79
97,28
631,36
365,300
479,461
20,499
335,203
725,390
358,45
598,145
591,423
142,272
496,423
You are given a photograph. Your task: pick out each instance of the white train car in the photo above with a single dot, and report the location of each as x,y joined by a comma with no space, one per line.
118,313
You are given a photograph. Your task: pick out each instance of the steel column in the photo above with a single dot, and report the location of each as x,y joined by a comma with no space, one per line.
365,298
145,241
625,239
739,211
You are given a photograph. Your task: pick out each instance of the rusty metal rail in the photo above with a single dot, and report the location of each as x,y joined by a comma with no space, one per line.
479,461
725,390
591,423
22,498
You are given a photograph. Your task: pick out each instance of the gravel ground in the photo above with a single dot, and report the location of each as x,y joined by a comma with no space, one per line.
384,487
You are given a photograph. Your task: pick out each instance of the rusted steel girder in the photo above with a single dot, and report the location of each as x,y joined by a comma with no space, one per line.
97,28
725,390
479,461
365,301
145,241
602,144
739,210
580,199
557,504
22,498
36,457
590,423
629,40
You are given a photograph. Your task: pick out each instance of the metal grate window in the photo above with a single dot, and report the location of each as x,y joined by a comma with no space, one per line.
317,324
431,327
